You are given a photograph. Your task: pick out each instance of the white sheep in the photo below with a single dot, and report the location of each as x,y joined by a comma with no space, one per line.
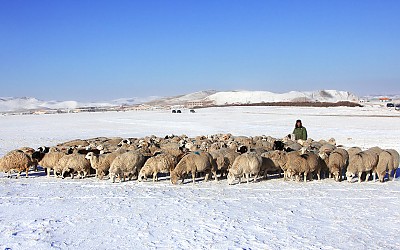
102,162
162,163
306,164
388,162
15,160
193,163
336,162
126,165
245,164
48,160
73,163
359,163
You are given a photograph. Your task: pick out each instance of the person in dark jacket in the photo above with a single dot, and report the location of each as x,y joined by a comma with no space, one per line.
299,131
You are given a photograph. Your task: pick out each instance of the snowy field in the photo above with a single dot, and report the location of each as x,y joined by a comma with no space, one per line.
47,213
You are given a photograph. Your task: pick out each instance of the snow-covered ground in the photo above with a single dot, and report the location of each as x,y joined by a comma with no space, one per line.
50,213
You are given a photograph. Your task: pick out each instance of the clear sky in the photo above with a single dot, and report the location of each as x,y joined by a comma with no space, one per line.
103,50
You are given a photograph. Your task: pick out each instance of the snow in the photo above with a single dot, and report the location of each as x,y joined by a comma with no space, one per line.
50,213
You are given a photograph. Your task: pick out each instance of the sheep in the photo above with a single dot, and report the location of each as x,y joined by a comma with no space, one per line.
306,164
48,160
74,143
268,164
29,152
245,164
162,163
194,163
221,161
73,163
102,162
336,162
15,160
126,165
353,151
279,159
327,148
364,161
388,161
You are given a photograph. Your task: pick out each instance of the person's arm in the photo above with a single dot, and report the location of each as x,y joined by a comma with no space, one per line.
304,134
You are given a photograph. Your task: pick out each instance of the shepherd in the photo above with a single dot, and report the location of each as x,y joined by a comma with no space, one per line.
299,131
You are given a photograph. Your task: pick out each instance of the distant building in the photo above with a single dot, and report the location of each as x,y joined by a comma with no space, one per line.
198,103
385,99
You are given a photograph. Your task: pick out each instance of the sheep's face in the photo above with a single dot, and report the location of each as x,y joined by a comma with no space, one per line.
89,156
336,175
290,173
349,176
323,155
174,178
142,176
231,178
112,177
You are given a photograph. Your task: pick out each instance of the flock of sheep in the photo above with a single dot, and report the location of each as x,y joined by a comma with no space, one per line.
216,156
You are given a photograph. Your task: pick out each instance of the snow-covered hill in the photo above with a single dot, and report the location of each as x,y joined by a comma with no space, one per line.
244,97
11,104
182,99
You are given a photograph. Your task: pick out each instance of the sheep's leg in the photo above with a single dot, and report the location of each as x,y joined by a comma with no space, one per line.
97,174
319,175
154,176
367,177
26,172
394,174
206,177
389,174
255,178
48,172
247,177
359,177
374,176
216,177
305,176
240,179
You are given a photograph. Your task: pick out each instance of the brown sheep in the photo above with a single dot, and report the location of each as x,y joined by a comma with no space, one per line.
15,160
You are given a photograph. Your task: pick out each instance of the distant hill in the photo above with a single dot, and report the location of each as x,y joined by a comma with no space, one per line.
212,97
253,97
19,104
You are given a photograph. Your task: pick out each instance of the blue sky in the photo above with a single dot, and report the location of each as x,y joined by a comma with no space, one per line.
103,50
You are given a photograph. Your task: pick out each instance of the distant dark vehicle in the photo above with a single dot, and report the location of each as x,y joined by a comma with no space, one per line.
192,111
397,107
390,105
178,111
173,111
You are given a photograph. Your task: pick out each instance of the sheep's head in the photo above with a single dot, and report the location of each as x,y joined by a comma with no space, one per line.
174,177
142,175
349,176
112,177
336,174
231,178
323,155
89,156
